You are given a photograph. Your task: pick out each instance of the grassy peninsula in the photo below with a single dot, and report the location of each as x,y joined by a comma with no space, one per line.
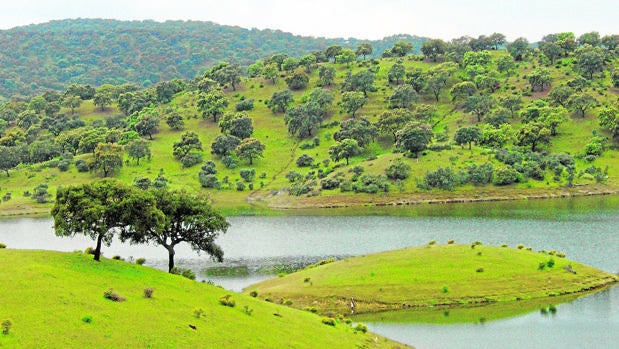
64,292
433,275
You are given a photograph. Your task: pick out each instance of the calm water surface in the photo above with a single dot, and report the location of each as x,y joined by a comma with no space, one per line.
257,248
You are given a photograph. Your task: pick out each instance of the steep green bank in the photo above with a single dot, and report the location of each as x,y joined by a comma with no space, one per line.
449,275
56,300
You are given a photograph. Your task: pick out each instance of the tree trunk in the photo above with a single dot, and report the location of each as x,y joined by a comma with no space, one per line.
170,258
98,248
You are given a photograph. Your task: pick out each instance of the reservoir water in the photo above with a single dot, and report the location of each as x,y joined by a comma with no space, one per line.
256,248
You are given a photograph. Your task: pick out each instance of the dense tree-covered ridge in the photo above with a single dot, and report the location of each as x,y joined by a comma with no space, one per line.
477,121
52,55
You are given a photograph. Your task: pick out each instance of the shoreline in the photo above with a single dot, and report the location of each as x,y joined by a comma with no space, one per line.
272,204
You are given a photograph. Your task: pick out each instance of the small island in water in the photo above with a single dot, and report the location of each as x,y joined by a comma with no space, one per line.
450,275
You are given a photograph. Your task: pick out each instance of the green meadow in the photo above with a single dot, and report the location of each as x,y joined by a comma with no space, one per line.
433,276
56,300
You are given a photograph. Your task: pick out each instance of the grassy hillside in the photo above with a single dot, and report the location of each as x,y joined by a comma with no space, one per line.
430,276
52,55
56,300
271,188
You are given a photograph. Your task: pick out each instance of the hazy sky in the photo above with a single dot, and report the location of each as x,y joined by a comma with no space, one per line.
361,19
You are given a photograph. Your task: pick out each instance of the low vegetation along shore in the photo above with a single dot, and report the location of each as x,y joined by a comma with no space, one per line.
115,304
432,275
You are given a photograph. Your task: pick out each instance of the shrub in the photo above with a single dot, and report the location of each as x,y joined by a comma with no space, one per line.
113,296
361,328
2,245
560,254
443,178
432,242
398,170
148,292
311,309
253,293
550,263
247,104
293,176
63,165
506,175
480,270
287,302
247,310
305,160
208,181
541,266
329,183
81,165
117,258
482,174
198,312
372,184
227,301
6,326
89,250
520,246
240,186
140,261
445,289
504,245
248,174
451,242
188,273
191,159
230,161
87,319
328,321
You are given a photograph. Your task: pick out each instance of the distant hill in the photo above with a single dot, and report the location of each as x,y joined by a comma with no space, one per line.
53,55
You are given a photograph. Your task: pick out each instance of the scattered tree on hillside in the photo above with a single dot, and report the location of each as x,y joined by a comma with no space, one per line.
108,158
362,81
225,74
303,119
581,102
280,101
560,95
137,149
433,48
238,125
533,134
297,80
467,135
212,104
344,149
175,121
250,149
396,73
353,101
364,49
224,145
518,49
326,75
189,142
479,105
414,137
187,218
361,130
609,119
391,121
100,209
403,97
539,78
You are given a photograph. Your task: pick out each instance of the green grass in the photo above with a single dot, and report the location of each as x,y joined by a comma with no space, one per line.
282,150
427,276
55,300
